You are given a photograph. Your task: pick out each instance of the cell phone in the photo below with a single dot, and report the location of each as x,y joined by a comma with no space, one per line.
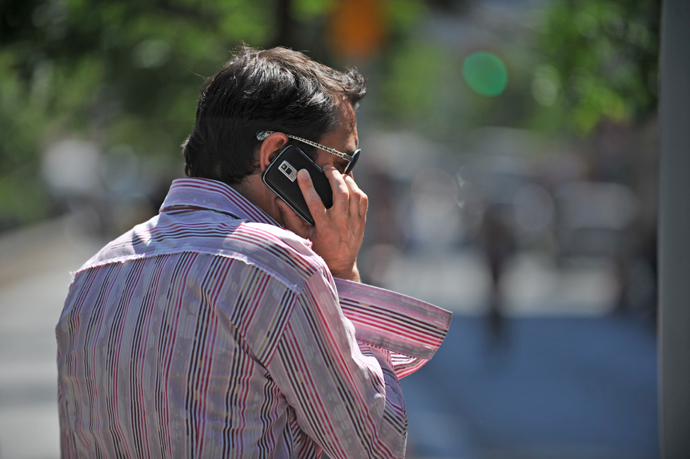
281,177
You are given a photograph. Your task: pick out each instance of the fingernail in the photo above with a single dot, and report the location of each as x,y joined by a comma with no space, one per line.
303,174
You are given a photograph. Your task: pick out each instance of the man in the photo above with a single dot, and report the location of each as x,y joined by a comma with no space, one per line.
227,327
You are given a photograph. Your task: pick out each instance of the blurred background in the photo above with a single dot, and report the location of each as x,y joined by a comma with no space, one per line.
510,154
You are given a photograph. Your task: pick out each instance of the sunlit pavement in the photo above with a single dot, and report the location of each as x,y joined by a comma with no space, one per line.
562,379
533,285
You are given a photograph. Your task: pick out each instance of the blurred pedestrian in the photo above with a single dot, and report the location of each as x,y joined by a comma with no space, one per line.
498,245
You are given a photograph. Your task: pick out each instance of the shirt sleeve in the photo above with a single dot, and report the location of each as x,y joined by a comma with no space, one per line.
409,330
346,398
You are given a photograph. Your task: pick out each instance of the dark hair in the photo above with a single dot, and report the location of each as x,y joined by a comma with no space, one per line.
263,90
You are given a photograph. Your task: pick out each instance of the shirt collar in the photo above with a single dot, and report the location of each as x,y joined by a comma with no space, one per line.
213,195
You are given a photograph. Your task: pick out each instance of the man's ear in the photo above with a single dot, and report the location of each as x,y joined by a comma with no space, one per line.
270,147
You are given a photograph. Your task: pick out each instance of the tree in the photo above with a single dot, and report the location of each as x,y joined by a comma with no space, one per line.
601,62
118,72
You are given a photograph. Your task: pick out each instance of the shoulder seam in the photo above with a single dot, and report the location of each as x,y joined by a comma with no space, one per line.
296,288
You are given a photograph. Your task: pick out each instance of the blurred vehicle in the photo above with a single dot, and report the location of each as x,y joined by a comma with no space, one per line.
593,218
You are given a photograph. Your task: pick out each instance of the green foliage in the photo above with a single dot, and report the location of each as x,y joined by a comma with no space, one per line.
602,60
412,82
310,9
114,71
403,15
123,72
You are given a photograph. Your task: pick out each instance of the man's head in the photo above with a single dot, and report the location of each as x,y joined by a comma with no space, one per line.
273,90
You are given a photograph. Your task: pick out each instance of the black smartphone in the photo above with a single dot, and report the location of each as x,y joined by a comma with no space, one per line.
281,177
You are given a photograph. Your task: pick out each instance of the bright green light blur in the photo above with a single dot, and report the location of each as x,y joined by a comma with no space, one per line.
485,73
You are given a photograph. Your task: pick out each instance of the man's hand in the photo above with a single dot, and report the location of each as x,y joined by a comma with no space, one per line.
337,232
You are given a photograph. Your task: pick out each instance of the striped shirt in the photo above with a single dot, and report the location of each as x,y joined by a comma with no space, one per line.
210,331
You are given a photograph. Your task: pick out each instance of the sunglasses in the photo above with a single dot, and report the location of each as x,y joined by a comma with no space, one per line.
351,159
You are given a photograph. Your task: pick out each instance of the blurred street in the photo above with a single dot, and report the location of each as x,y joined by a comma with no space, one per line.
554,388
34,276
559,378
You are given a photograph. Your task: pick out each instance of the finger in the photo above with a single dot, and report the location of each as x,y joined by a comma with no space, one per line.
291,220
312,198
358,198
356,195
364,207
340,189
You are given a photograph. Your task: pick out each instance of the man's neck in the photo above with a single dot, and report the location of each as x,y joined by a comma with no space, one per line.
255,191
